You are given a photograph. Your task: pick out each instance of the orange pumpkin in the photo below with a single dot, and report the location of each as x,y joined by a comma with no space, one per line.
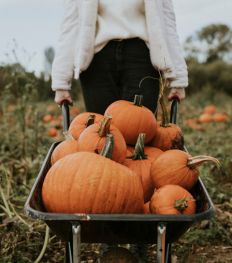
210,109
177,167
66,147
81,121
205,118
168,135
140,163
146,208
53,132
74,111
86,182
220,117
132,119
172,200
93,139
47,118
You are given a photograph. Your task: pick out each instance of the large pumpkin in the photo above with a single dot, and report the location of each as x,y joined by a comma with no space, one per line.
86,182
93,139
132,119
81,121
177,167
172,200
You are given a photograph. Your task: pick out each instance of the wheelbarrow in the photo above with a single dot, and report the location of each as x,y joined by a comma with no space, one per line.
142,229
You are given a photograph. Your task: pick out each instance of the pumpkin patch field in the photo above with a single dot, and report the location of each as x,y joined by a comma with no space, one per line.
29,127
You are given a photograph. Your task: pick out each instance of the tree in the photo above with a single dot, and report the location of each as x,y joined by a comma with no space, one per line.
49,55
211,43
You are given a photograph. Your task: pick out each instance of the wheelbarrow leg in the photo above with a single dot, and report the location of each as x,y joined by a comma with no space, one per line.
76,243
161,243
68,252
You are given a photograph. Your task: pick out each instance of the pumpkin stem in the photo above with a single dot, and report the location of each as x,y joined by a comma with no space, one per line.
165,120
139,153
104,128
197,160
181,204
138,100
107,150
90,120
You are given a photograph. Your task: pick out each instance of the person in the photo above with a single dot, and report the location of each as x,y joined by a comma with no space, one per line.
112,45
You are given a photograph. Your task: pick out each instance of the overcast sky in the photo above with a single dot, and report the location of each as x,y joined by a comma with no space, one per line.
29,26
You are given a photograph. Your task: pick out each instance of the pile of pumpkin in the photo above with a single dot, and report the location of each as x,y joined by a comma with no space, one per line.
122,162
210,114
53,121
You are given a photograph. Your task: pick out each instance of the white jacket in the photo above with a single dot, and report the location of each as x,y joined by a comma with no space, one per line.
75,48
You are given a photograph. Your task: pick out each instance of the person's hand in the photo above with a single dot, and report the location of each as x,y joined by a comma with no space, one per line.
62,95
176,93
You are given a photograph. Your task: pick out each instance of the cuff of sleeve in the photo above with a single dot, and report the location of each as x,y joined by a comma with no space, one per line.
61,85
178,83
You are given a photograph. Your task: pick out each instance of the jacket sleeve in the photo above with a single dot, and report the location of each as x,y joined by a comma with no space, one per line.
174,46
63,64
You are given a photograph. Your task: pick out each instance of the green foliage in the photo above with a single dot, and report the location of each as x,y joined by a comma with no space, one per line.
216,75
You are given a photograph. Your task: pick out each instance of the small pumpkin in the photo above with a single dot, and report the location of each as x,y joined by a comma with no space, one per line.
210,109
220,117
47,118
68,146
140,163
52,132
93,139
86,182
177,167
172,200
132,118
82,121
146,208
205,118
168,135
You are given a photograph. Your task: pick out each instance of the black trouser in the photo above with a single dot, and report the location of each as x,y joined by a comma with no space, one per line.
115,73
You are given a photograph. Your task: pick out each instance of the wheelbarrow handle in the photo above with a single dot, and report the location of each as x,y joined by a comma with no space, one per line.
66,117
174,110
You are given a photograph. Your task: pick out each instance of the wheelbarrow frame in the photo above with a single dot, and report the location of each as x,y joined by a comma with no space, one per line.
116,228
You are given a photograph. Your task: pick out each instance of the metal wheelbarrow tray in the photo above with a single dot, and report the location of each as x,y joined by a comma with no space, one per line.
116,228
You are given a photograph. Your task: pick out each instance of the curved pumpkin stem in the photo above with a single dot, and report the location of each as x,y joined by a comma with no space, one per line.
90,120
165,120
139,153
104,128
182,204
107,150
197,160
138,100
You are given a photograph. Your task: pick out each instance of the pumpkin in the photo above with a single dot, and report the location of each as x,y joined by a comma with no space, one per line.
172,200
177,167
93,139
205,118
68,146
86,182
146,208
210,109
118,255
74,111
52,132
132,118
82,121
47,118
168,135
140,163
220,117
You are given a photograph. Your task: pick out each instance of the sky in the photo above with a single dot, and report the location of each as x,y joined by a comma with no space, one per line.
27,27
